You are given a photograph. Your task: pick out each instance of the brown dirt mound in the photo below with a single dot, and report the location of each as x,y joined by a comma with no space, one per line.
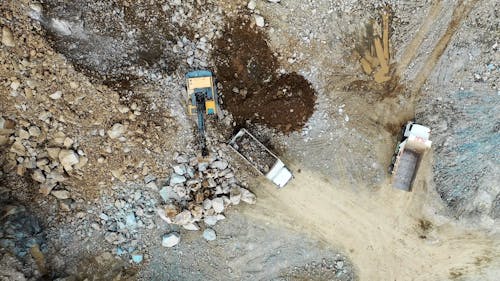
252,89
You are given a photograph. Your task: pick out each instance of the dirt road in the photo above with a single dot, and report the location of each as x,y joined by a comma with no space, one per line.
384,233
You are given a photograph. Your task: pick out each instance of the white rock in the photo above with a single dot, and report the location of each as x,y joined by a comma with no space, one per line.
38,176
57,95
209,234
68,158
259,20
170,240
273,1
180,169
60,194
14,85
176,179
34,131
210,220
218,205
251,4
220,165
207,204
247,196
191,226
116,131
167,193
183,218
7,38
235,195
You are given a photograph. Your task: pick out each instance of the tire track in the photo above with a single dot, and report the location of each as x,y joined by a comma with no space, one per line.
461,11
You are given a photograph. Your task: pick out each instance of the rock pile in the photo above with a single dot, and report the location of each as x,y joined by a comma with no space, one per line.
43,151
200,190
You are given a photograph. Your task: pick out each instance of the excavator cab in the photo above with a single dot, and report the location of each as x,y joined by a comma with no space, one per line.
201,100
200,84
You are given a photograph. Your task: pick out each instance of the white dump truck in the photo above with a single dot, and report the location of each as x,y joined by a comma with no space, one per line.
409,152
261,158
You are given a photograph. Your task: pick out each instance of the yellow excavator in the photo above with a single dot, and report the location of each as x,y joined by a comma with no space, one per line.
201,100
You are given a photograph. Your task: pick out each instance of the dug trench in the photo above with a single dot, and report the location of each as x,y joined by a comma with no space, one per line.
253,88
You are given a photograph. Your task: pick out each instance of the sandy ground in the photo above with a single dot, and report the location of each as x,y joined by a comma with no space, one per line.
380,231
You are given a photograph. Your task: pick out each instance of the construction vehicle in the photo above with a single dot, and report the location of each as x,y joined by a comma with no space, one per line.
409,152
261,158
201,100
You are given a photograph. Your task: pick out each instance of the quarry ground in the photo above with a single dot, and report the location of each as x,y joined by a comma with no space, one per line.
298,81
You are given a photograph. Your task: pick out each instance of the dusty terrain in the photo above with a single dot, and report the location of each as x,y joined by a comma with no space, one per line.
100,167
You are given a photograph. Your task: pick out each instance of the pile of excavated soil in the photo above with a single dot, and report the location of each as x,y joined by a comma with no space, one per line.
252,88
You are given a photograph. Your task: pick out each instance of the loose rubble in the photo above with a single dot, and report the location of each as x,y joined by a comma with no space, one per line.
200,190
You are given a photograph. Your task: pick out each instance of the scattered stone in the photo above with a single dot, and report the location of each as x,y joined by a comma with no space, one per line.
183,218
60,194
38,176
210,220
207,204
251,4
137,258
170,240
53,152
57,95
176,179
34,131
218,205
181,159
68,158
247,196
220,165
235,195
131,221
167,193
191,226
259,21
180,169
7,38
209,234
116,131
149,178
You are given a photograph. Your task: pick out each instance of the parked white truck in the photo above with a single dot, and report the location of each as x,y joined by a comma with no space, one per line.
409,152
261,158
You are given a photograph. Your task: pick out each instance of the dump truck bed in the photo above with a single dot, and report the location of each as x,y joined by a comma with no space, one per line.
261,158
407,169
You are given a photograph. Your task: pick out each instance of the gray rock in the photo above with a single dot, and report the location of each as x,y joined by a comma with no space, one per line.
68,158
170,240
7,38
247,196
235,195
60,194
251,4
182,159
131,221
116,131
202,167
209,234
149,178
210,220
218,205
183,218
259,21
207,204
176,179
219,165
180,169
191,226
